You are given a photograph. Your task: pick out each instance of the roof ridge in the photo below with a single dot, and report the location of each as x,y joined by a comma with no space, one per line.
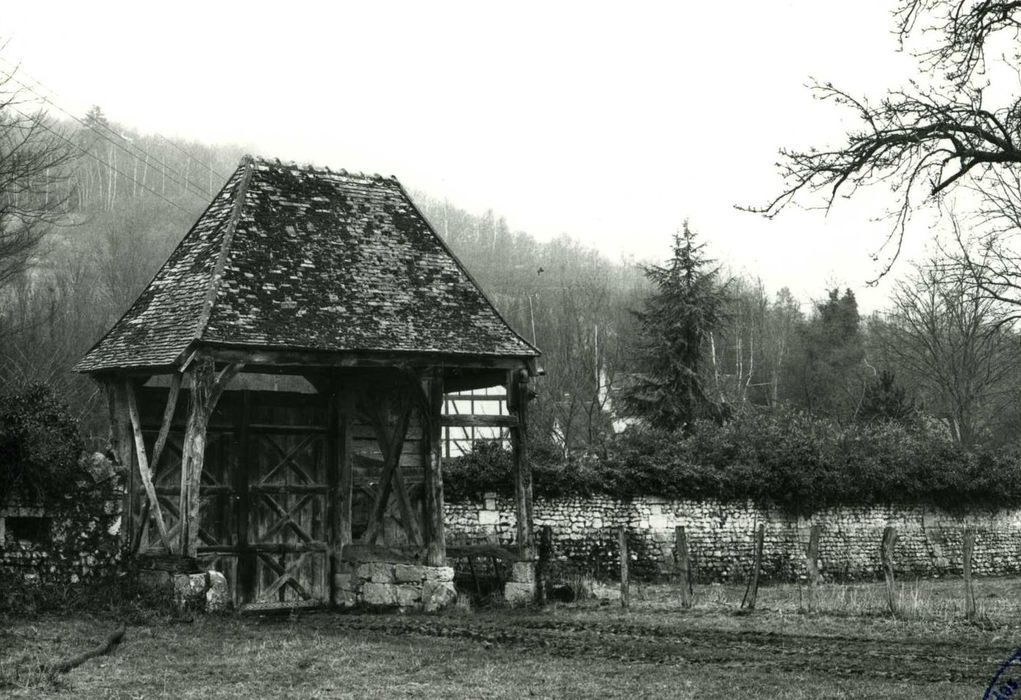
228,237
320,170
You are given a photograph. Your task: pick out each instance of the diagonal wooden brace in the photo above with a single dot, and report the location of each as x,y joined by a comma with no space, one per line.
143,466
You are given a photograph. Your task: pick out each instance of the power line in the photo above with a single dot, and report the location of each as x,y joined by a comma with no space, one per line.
39,122
187,186
175,175
54,95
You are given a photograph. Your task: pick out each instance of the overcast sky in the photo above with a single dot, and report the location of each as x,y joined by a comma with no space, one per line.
609,122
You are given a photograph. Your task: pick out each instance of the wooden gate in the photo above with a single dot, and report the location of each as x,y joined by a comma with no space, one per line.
263,517
283,490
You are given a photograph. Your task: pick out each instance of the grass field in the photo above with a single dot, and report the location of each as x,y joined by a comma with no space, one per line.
849,647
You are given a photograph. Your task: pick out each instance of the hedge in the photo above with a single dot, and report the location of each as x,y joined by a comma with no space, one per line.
785,459
40,444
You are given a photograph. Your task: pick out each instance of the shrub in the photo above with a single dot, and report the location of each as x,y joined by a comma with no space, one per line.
40,444
783,458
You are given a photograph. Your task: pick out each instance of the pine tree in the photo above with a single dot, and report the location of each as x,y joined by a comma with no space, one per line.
686,305
886,399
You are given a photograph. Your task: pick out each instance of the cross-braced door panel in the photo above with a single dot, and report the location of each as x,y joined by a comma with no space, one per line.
216,522
287,518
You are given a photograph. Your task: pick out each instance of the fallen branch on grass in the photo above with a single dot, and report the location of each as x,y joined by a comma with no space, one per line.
112,640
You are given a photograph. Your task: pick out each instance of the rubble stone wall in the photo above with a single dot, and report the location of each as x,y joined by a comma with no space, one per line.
720,537
68,541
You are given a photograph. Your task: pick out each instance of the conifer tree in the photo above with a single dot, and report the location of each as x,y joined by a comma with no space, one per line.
684,308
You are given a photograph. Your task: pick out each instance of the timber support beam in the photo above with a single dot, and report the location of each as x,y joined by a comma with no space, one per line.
206,388
518,396
432,410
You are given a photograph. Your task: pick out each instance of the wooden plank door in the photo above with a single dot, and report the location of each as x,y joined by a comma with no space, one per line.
284,560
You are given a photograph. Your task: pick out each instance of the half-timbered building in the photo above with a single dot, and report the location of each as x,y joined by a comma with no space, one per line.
276,392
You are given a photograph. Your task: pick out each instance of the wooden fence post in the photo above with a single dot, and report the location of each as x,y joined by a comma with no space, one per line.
625,588
752,591
683,565
542,566
969,587
812,564
889,542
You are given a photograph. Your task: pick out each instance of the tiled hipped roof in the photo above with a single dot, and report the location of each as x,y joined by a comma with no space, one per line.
299,258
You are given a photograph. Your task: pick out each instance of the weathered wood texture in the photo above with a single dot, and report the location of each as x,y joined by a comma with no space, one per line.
432,407
812,564
542,565
625,581
682,560
969,584
752,591
517,403
886,551
152,501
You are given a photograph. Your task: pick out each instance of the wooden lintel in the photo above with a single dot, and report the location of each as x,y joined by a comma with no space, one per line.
143,466
306,359
478,421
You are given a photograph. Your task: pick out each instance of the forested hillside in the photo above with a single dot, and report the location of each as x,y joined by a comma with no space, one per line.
127,198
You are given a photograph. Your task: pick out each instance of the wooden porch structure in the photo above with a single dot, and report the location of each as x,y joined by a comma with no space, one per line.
277,389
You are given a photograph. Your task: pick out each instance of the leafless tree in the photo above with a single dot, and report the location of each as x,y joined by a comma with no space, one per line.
34,160
926,140
944,336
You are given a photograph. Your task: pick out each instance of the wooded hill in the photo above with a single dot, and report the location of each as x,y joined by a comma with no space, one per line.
130,197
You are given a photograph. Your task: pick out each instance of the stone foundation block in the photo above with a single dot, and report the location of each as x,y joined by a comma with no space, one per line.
408,596
409,573
218,593
523,572
190,591
437,595
156,581
519,593
344,582
376,571
379,594
439,573
345,598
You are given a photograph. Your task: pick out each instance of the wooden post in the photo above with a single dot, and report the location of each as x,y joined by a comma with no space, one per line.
886,551
333,468
969,588
812,564
625,584
517,403
432,433
683,562
345,484
542,566
752,591
206,389
247,566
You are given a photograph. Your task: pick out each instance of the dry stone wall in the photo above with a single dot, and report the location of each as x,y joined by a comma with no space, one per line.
720,537
70,541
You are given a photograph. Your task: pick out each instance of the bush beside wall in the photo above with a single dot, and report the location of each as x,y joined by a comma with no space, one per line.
784,460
